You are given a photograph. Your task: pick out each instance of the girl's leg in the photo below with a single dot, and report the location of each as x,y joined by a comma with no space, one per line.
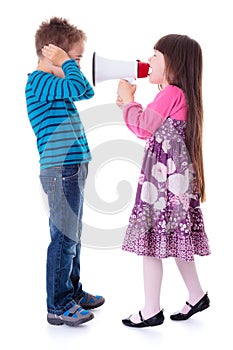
152,275
189,274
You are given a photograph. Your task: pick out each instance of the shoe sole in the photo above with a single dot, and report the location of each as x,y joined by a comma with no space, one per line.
190,315
60,322
156,324
138,325
148,325
143,324
201,309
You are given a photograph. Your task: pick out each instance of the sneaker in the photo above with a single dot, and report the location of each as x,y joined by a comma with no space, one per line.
72,317
89,301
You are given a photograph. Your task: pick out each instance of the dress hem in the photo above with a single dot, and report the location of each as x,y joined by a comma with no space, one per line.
177,256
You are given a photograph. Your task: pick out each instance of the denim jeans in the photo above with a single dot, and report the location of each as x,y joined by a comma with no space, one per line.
63,187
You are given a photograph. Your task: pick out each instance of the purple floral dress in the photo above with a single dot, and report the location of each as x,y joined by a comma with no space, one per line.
166,220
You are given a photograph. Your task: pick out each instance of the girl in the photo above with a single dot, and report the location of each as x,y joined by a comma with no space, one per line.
166,220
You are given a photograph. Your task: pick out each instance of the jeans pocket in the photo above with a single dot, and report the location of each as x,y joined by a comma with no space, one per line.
70,171
49,185
73,181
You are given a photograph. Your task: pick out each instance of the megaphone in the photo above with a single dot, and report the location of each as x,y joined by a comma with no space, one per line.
107,69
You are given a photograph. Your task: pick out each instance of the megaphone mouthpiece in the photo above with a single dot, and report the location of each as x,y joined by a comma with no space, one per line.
143,69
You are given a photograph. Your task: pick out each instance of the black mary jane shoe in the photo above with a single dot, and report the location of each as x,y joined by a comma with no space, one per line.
150,322
201,305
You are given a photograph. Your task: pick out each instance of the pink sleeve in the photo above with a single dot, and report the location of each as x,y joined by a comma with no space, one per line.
170,102
142,123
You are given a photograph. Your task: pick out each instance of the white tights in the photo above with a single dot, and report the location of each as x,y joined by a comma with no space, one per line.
153,274
189,274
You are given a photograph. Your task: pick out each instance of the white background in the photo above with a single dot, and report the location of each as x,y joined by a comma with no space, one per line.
124,30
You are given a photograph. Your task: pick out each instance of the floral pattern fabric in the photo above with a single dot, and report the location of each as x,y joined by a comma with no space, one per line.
166,219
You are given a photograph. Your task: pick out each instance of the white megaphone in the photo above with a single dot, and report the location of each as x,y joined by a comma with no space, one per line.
107,69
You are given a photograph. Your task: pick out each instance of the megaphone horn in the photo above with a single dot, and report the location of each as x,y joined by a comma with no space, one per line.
107,69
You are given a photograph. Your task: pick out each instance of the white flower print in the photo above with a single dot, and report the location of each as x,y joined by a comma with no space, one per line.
160,204
178,183
166,145
185,201
149,193
158,139
159,172
171,167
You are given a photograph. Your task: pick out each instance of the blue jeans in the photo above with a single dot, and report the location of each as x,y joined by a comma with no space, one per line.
63,187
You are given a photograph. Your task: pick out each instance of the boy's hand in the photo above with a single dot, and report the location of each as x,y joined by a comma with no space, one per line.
55,54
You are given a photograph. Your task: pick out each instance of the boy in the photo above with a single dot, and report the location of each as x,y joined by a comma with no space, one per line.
64,156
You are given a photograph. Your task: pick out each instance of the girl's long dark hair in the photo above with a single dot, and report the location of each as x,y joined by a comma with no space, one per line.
183,62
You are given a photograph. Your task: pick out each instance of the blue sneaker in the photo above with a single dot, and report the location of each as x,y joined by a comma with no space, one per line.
88,301
72,317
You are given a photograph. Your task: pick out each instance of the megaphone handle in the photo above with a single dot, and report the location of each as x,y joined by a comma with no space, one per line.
130,80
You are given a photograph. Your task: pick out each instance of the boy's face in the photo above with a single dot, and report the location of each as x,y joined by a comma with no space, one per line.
77,51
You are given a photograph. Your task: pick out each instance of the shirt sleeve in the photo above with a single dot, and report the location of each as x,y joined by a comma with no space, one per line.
74,86
168,102
142,123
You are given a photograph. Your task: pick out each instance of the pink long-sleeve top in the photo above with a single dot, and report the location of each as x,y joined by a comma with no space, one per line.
169,102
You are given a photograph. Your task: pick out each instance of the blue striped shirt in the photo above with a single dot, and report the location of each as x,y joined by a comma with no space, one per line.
60,135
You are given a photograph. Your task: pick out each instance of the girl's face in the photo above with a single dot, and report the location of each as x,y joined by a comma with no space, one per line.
157,64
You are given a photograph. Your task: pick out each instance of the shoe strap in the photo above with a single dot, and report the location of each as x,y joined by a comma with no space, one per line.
140,315
142,319
189,304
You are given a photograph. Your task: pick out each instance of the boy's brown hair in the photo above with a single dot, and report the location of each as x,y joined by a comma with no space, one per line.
59,32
